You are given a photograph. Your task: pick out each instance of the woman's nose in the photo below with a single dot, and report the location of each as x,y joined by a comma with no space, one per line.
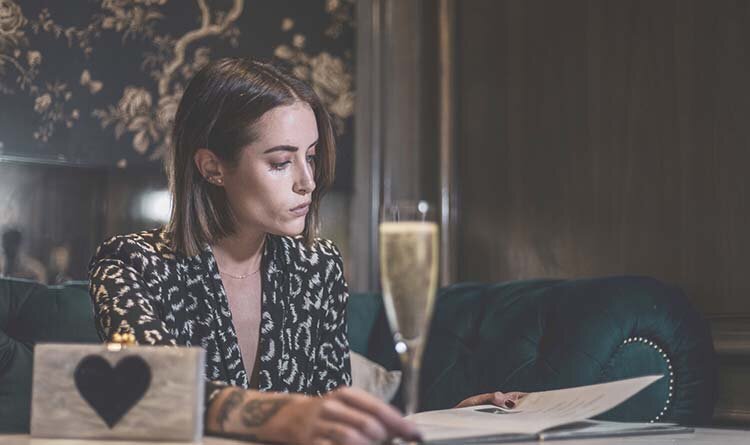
305,181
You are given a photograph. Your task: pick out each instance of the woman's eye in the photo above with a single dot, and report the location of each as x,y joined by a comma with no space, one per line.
279,165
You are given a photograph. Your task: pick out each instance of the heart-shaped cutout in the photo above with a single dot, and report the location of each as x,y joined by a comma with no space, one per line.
112,392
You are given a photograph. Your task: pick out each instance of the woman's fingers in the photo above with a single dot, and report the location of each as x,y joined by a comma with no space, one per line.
340,433
481,399
366,424
388,416
507,400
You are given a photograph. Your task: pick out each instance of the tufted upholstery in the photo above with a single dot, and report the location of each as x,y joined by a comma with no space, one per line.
31,313
522,335
545,334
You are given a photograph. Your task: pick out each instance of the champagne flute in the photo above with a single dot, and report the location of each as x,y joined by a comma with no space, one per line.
409,274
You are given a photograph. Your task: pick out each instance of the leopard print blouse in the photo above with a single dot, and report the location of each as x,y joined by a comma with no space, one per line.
139,284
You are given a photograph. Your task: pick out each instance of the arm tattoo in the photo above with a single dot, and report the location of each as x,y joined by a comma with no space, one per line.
232,401
255,413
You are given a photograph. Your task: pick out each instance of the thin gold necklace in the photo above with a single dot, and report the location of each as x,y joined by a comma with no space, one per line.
239,277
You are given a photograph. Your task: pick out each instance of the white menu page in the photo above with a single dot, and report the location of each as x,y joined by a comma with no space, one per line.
533,414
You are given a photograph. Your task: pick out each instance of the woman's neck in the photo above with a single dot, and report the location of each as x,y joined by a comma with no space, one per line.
240,253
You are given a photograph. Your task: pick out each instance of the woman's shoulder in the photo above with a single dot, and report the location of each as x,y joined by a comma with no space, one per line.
151,244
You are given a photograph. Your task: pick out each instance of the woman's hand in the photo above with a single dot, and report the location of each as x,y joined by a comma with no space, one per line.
507,400
344,416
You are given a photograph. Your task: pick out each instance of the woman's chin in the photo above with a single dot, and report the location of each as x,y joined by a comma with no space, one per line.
289,230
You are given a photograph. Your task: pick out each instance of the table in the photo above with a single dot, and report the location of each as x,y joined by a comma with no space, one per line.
702,436
25,439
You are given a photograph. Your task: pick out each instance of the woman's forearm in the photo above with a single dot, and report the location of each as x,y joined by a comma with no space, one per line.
252,415
343,416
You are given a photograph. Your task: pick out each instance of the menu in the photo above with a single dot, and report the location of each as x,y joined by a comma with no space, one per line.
542,415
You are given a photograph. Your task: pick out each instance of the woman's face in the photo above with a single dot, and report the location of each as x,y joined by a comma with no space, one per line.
271,186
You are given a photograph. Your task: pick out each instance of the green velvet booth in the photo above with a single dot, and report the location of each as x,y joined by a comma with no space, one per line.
537,335
523,335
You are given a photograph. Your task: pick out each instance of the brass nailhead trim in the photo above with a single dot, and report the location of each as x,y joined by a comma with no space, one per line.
648,342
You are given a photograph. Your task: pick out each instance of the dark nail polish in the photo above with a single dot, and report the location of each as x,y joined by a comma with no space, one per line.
510,404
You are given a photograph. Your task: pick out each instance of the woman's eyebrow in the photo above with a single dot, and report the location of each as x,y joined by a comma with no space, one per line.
290,148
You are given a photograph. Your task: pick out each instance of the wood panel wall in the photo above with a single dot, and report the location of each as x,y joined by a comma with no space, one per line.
53,207
611,137
607,137
72,207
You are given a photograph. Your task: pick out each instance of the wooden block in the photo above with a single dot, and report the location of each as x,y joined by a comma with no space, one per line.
170,408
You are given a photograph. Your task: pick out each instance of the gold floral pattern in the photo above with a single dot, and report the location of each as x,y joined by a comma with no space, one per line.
329,76
11,18
50,98
342,14
144,113
13,37
148,120
94,86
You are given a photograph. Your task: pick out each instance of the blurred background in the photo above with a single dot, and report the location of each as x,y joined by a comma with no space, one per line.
558,138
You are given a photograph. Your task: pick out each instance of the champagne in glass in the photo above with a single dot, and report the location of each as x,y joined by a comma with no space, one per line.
409,275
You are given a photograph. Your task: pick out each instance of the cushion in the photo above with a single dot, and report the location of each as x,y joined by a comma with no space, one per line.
373,378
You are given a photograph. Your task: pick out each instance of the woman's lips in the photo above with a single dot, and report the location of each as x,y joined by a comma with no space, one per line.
301,210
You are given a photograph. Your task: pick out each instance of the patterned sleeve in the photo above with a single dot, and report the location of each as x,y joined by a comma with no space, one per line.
121,296
333,368
123,302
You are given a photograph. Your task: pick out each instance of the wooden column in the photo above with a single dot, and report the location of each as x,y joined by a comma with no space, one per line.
448,188
396,149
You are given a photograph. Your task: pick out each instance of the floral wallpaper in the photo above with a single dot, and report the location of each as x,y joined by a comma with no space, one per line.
97,82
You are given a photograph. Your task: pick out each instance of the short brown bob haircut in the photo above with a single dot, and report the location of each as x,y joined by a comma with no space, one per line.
218,111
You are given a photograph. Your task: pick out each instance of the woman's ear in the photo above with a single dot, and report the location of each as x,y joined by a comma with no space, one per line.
209,166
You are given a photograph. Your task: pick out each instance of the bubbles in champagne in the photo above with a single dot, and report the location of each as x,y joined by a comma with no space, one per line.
408,268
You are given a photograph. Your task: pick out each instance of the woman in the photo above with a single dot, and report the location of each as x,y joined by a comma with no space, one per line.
238,270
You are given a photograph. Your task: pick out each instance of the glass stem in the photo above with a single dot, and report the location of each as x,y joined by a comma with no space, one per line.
410,368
